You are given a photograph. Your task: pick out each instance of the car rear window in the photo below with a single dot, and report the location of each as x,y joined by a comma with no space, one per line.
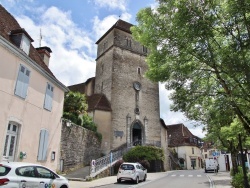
4,170
127,167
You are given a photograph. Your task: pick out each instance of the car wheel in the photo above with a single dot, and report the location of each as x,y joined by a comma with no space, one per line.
205,171
64,186
137,180
118,180
145,177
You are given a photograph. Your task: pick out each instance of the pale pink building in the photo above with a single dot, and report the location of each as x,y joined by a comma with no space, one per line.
31,98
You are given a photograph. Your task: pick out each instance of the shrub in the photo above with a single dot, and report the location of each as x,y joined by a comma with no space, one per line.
146,155
145,164
139,153
117,165
238,179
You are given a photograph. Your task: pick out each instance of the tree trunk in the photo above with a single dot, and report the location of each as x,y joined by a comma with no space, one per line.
234,162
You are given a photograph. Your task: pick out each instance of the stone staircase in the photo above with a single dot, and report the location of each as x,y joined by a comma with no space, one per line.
175,164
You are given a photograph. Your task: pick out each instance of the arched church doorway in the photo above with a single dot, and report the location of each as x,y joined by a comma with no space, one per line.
136,134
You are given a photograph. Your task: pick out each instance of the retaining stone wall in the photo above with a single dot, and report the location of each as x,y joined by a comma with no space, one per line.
78,146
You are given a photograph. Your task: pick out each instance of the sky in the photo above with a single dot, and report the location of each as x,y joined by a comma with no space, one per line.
71,29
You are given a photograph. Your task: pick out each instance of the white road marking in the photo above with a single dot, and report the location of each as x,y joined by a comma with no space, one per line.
190,175
181,175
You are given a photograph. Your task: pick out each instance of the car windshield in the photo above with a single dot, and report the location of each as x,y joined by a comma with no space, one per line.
4,170
127,167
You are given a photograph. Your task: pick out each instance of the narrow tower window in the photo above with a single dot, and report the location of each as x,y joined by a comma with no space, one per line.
139,70
128,42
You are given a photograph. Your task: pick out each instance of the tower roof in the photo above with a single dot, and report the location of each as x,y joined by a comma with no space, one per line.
120,24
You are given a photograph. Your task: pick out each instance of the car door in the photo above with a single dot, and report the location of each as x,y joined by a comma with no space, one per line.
139,170
27,177
47,179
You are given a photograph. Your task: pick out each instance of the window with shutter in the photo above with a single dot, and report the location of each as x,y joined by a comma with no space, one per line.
22,82
48,97
43,145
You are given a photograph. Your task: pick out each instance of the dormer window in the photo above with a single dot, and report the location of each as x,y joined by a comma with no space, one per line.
21,39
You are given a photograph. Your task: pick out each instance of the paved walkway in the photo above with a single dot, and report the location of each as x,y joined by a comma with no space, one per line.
219,180
79,174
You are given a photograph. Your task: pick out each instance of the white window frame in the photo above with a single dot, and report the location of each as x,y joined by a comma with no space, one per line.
43,145
25,44
22,82
48,99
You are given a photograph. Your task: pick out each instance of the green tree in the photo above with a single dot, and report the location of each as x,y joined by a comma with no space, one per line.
201,50
226,138
75,109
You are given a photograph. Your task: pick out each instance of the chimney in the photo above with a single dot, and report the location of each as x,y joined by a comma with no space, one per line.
44,53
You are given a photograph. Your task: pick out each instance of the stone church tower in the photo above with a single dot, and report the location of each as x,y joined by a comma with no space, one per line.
120,68
122,101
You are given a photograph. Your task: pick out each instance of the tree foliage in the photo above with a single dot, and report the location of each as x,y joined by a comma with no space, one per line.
201,50
75,109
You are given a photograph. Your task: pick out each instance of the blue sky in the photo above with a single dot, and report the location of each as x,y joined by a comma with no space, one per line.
71,28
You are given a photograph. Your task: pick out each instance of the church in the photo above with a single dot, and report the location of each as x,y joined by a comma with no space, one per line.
122,101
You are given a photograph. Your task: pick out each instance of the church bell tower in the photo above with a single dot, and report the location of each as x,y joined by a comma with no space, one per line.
134,99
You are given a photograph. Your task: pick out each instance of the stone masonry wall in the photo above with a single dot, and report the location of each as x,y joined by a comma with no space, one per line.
78,146
118,61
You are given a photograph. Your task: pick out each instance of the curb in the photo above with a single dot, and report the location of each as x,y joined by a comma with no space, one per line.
77,179
210,181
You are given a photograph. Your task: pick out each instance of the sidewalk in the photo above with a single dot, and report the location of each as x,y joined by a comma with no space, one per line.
219,180
110,180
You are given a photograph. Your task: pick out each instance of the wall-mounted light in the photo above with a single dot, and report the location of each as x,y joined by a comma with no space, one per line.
53,155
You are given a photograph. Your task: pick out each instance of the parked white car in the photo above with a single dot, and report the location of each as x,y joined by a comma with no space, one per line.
131,171
27,175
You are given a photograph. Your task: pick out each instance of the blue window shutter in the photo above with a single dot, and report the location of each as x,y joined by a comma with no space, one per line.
40,148
22,82
48,97
43,145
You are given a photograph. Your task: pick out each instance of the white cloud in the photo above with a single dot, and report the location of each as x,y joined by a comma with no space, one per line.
112,4
73,51
100,27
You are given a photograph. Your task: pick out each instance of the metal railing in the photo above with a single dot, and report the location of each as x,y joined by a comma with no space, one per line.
105,162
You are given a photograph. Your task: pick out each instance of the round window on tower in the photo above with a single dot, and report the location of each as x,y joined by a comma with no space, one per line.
137,86
137,110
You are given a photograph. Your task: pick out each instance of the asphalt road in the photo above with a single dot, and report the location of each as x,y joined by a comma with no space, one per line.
175,179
